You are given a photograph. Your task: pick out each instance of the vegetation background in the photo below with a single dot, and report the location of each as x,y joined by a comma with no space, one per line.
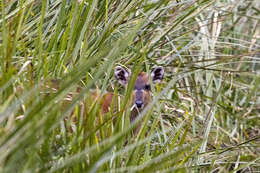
204,117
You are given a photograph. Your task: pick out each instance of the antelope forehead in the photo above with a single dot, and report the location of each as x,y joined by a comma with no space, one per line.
140,83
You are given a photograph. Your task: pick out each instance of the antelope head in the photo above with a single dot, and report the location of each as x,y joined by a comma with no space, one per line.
142,87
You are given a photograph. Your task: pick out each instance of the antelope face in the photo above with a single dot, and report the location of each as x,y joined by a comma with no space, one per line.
142,87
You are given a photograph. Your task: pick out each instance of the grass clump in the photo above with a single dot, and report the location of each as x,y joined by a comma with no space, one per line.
203,117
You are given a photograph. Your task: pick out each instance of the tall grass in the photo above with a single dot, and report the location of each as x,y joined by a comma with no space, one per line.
204,117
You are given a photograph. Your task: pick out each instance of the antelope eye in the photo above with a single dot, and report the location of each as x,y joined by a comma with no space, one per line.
147,87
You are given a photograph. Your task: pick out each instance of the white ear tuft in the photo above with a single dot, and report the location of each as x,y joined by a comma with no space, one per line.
157,74
122,75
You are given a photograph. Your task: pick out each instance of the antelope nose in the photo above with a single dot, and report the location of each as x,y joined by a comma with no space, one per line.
139,103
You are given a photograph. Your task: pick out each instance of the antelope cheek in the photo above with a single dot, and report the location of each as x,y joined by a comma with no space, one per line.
134,98
147,98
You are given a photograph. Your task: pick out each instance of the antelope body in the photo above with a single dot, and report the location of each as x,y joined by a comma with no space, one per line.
141,95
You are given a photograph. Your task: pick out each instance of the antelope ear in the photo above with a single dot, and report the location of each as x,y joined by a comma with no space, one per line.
122,75
157,74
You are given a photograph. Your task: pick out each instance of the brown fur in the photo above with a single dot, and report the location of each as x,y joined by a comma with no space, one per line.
141,93
106,103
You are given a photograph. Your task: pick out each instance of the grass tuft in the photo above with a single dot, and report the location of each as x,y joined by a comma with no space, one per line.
204,116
